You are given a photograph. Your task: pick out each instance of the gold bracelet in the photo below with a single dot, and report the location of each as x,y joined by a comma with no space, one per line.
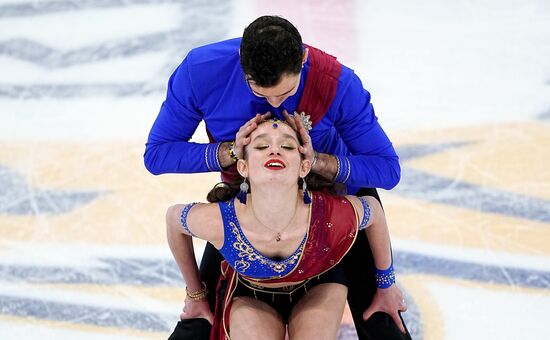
198,295
315,155
231,151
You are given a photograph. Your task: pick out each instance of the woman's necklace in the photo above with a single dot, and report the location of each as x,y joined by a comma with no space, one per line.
278,233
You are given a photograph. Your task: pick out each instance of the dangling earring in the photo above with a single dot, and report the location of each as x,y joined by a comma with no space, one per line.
241,196
307,198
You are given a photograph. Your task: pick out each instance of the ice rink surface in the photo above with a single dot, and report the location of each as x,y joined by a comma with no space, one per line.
461,87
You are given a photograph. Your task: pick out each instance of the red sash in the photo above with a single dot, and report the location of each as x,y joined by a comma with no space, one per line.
321,84
332,231
317,97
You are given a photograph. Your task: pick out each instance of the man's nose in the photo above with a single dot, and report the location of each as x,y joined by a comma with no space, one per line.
275,101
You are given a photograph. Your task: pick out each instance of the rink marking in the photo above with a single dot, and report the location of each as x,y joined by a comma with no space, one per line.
427,307
502,156
62,326
164,272
446,225
85,314
423,185
26,9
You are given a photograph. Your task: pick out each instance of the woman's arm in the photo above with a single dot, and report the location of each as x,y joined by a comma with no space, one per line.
182,221
388,297
378,234
181,245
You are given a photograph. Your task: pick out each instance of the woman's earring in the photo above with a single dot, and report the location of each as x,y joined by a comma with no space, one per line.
241,196
307,198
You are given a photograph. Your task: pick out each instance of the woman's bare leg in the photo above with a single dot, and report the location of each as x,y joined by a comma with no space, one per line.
253,319
318,314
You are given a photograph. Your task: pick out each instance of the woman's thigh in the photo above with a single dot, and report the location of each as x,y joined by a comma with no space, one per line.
318,314
253,319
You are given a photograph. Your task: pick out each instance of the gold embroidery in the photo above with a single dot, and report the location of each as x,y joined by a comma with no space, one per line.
247,254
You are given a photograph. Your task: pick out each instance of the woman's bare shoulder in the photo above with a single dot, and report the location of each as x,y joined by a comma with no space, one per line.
203,220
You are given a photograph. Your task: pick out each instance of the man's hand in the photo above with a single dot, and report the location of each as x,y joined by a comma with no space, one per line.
296,123
197,309
390,301
242,138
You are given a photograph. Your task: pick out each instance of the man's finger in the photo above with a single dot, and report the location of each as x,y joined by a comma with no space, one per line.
289,119
298,121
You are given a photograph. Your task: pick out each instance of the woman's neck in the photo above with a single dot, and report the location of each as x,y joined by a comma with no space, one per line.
273,205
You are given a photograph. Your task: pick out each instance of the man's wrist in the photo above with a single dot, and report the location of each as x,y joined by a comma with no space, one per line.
224,156
325,166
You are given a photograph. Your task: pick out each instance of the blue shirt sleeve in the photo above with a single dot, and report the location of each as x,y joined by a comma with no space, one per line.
373,160
168,149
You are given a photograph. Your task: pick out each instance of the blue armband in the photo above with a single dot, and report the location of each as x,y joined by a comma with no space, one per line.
183,218
366,213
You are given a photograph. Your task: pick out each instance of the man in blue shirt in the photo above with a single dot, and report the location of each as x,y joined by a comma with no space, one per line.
226,84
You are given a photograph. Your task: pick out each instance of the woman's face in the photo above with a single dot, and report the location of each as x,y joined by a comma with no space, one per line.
273,155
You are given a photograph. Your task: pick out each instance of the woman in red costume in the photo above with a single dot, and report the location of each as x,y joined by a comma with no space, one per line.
282,246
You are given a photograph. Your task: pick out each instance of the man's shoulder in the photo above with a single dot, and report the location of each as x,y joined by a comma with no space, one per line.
212,53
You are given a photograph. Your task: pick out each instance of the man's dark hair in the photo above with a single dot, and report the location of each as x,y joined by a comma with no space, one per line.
270,47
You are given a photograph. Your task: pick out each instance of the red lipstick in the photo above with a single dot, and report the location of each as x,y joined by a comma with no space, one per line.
275,164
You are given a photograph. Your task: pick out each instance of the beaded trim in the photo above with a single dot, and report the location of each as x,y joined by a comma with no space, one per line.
385,278
206,157
218,156
247,254
211,157
337,169
348,172
183,218
366,213
343,169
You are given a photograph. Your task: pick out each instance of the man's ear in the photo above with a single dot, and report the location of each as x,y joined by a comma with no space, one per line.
242,168
304,56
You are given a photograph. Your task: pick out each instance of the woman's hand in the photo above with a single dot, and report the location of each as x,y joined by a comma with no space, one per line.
390,301
197,309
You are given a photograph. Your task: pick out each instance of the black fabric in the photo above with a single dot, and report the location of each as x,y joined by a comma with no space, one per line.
284,303
192,329
358,265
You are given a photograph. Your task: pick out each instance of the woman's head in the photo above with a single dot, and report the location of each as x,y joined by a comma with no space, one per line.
272,156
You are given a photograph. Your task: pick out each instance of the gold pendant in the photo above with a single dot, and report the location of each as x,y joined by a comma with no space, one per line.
278,238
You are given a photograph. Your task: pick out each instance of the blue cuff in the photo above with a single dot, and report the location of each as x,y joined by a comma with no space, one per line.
211,157
385,278
343,169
